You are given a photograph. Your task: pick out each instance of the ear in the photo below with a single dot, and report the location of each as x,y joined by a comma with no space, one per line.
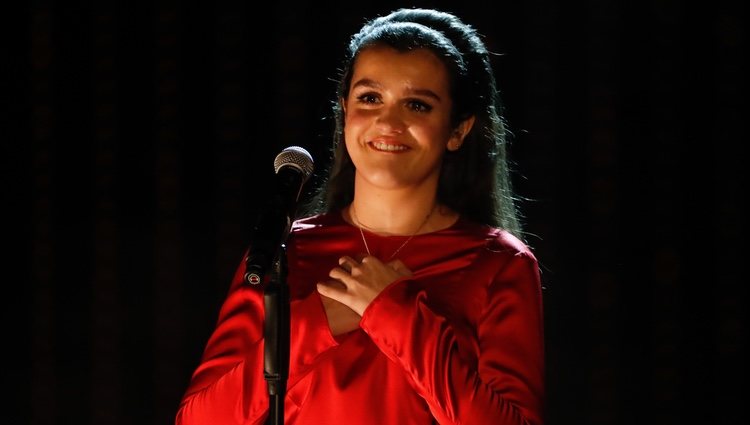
342,102
459,133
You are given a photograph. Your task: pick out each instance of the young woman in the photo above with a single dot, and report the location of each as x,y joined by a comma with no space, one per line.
414,299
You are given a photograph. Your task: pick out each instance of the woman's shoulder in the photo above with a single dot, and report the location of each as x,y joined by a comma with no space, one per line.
498,240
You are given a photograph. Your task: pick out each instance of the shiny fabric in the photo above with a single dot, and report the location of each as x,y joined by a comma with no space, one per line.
461,341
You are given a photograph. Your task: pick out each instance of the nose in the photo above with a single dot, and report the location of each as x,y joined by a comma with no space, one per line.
390,120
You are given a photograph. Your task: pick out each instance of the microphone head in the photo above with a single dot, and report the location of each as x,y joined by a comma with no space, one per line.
296,157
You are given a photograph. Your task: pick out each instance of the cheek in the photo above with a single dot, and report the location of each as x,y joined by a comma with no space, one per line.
354,118
436,135
354,125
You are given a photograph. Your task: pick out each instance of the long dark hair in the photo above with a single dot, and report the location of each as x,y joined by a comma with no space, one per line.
474,180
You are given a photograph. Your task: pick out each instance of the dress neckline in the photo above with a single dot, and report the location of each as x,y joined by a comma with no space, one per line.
340,218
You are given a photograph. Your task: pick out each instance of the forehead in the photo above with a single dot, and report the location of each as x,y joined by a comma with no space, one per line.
419,68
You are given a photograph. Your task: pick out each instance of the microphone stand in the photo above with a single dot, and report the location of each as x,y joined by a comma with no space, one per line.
276,338
293,166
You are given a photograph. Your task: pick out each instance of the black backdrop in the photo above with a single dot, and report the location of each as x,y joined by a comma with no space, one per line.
148,133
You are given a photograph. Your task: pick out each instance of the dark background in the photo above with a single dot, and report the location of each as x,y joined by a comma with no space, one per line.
147,136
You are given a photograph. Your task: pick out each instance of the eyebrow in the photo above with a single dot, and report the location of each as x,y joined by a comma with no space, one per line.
366,82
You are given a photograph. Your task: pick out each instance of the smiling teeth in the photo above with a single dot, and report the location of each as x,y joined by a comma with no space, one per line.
387,147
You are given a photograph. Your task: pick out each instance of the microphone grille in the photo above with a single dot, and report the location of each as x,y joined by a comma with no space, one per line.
297,157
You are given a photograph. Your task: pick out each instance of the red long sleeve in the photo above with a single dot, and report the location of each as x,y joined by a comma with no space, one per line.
458,342
495,379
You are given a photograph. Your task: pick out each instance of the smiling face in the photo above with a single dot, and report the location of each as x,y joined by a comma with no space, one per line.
397,122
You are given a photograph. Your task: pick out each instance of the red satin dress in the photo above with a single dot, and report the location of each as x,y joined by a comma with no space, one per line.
459,342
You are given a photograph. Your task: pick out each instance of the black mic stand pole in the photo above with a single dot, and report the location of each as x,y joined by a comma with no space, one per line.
276,338
293,166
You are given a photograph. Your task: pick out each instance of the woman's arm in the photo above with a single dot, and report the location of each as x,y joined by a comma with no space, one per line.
506,385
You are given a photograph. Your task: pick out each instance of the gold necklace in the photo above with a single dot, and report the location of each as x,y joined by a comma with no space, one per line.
356,221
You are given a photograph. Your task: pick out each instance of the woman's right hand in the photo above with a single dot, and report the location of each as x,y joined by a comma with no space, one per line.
341,319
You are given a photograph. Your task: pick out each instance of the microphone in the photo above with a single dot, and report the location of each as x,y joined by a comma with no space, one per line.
293,167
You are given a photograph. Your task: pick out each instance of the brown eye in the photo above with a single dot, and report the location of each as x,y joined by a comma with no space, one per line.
419,106
368,98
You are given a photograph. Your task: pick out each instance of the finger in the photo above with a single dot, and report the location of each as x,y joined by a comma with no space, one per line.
344,276
332,291
347,263
361,256
334,283
369,259
329,288
400,268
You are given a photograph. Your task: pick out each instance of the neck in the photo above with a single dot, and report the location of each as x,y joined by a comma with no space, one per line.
397,212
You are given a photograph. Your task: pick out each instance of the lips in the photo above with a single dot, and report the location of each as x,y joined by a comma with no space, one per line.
388,147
